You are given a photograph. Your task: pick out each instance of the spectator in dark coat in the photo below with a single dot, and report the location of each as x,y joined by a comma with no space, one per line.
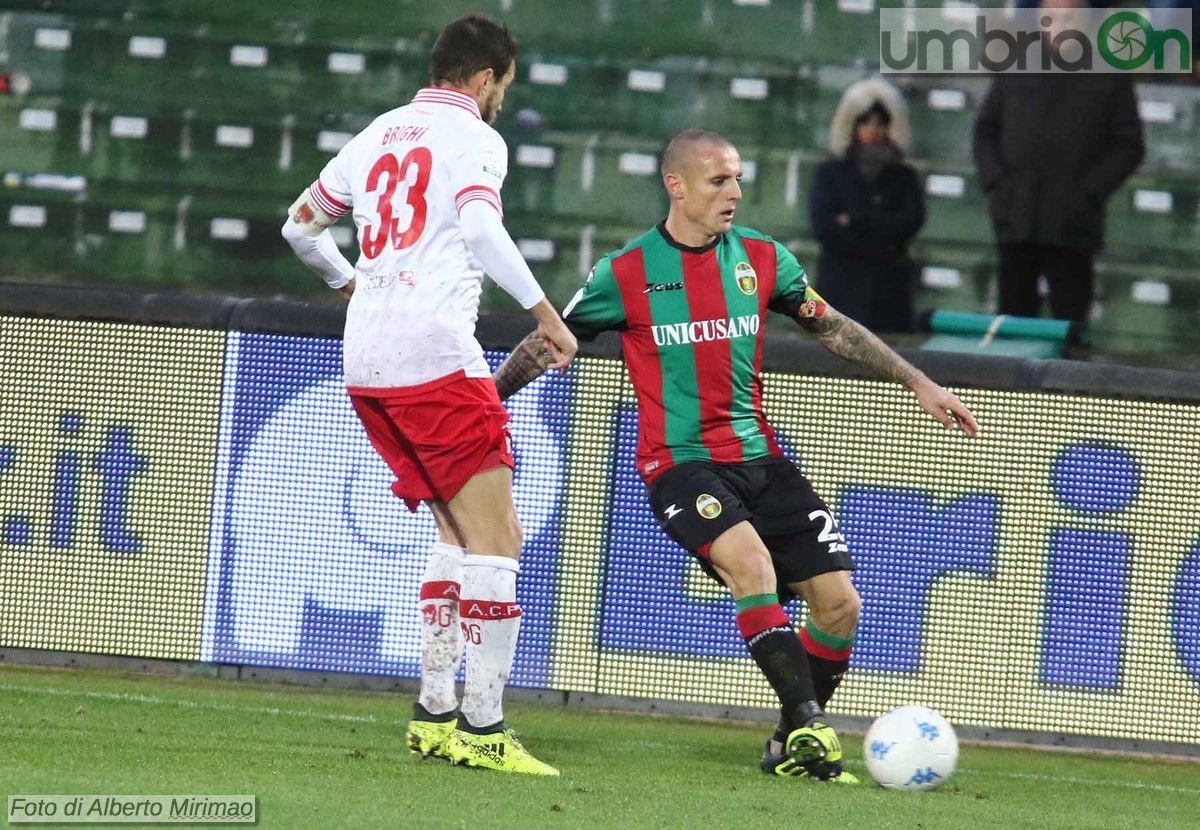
866,205
1050,150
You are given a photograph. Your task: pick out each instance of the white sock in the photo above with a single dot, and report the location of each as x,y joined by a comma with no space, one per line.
441,635
490,619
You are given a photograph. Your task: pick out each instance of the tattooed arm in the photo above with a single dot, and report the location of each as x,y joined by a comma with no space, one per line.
852,341
525,365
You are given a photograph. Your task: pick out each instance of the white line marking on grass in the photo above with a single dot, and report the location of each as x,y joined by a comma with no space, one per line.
125,697
1133,785
1058,779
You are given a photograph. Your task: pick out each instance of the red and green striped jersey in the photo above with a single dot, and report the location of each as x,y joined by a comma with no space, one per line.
691,335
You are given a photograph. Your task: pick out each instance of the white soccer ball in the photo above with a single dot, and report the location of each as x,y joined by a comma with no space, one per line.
911,748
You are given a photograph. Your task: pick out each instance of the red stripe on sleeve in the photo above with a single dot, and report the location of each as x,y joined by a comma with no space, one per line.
492,203
478,193
326,202
476,188
714,358
762,260
641,357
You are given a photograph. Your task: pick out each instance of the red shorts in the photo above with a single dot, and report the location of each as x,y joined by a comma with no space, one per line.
435,436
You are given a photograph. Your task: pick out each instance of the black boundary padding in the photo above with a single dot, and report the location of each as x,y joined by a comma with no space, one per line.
115,305
794,355
1117,381
289,317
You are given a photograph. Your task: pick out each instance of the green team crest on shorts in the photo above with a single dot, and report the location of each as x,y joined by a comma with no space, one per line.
708,506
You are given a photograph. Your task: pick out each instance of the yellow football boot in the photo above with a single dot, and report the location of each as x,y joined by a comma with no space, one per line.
498,750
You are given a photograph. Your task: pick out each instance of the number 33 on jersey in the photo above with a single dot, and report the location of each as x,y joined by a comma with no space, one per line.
404,179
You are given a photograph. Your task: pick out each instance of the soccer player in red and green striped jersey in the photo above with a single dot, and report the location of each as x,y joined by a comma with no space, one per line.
689,297
691,322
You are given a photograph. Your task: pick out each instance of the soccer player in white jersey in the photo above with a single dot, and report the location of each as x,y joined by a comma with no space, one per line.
423,185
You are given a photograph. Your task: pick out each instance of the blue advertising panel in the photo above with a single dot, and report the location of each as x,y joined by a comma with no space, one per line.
314,564
216,499
1042,577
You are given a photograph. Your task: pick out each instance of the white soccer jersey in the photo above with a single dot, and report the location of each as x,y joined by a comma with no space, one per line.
412,317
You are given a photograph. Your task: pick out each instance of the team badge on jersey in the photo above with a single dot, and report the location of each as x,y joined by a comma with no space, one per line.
747,279
708,506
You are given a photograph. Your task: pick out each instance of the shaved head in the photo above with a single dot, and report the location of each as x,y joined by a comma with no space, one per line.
702,172
687,145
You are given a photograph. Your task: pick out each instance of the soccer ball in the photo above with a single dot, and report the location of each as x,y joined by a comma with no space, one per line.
911,748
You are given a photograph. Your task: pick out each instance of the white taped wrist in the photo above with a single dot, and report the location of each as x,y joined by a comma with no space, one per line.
320,253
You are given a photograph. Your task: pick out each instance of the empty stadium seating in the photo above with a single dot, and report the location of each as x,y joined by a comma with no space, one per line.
1147,308
158,128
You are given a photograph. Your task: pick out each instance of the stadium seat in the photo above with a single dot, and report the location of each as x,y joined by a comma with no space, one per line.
158,72
953,277
131,246
560,253
301,20
245,155
775,200
1147,308
747,100
956,209
133,233
35,224
532,175
649,28
1156,215
603,178
36,135
131,148
839,30
1169,120
559,92
752,105
943,111
174,151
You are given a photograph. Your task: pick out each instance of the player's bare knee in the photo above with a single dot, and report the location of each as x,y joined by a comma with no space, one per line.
750,572
852,608
837,613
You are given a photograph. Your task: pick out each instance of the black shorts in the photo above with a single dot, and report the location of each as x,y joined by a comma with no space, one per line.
697,501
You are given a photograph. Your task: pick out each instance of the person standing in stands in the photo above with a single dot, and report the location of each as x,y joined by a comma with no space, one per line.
1050,149
866,205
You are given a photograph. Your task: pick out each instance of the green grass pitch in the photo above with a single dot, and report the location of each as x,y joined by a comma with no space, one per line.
325,758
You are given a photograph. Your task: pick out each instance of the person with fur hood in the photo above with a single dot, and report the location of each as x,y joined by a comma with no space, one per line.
866,205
